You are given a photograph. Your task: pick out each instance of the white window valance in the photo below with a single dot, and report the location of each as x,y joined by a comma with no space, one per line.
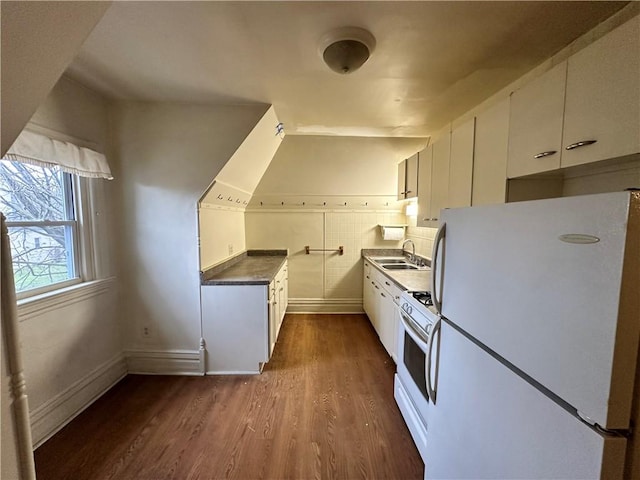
37,149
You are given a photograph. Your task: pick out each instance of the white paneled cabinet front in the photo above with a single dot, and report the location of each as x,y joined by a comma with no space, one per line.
461,164
490,155
408,178
535,124
241,323
602,110
424,185
380,297
440,177
434,179
235,323
583,110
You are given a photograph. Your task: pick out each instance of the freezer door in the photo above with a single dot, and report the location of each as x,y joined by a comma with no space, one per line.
488,423
545,284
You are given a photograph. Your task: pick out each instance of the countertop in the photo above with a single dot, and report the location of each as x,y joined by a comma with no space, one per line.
413,280
254,267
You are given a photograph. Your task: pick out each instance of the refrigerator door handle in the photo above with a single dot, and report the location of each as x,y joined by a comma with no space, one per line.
439,238
432,387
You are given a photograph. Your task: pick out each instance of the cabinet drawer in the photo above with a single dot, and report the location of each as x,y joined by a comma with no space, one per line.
392,289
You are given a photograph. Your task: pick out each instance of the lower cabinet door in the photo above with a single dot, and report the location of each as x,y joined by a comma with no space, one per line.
273,324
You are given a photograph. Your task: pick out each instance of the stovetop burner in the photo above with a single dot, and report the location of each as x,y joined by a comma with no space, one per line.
423,297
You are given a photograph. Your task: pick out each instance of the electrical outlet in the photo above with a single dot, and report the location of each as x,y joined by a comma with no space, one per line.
231,249
146,331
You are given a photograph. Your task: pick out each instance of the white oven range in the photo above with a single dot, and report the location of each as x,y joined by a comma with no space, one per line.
411,385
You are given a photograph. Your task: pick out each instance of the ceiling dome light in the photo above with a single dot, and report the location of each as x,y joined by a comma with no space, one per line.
346,49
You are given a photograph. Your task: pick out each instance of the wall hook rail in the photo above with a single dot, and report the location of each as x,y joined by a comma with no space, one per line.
308,250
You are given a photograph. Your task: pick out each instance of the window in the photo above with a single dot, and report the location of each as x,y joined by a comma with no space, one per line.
41,205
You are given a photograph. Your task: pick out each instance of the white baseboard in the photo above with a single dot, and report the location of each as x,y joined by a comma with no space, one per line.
55,413
164,362
325,305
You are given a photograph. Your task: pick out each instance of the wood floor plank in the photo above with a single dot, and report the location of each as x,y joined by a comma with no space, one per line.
323,408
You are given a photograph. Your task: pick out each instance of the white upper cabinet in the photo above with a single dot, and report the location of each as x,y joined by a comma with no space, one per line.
535,124
402,179
603,98
583,110
490,155
461,164
408,178
434,179
424,186
440,177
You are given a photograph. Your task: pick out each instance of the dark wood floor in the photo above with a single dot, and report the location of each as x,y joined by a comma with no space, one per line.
323,408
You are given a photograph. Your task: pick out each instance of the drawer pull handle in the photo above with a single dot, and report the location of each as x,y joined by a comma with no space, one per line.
583,143
545,154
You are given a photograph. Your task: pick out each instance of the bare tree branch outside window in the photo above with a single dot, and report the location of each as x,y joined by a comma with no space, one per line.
41,223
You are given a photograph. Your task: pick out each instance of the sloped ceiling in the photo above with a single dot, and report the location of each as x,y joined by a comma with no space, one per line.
433,60
39,40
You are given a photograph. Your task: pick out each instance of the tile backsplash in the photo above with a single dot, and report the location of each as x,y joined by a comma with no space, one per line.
423,239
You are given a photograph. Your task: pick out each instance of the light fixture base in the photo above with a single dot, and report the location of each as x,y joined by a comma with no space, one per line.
346,49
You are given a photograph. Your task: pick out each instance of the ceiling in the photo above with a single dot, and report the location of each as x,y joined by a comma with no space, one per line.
433,60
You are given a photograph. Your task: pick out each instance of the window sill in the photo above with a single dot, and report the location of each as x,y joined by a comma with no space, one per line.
46,302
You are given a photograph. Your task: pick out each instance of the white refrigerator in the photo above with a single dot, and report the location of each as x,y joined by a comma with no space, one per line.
534,362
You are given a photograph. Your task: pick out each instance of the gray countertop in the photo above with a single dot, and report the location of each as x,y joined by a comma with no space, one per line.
413,280
255,267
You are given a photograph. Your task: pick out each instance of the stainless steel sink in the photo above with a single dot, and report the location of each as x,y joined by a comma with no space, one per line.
403,266
397,263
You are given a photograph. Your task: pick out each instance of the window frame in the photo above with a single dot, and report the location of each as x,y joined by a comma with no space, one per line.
76,191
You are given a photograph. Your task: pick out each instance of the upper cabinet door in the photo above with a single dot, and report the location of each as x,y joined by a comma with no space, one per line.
440,176
535,125
461,164
490,155
402,179
603,98
411,185
424,186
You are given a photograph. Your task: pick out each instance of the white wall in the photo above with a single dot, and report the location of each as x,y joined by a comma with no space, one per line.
314,176
167,155
71,344
222,235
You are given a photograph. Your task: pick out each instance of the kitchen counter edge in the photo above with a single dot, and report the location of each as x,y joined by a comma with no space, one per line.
253,267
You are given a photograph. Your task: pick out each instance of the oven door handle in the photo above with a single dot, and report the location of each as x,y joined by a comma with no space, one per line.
431,389
415,331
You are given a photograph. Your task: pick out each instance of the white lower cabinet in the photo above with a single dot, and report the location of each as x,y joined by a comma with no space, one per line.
380,299
241,324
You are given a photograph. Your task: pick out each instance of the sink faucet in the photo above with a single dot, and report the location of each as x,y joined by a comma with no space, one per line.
412,257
